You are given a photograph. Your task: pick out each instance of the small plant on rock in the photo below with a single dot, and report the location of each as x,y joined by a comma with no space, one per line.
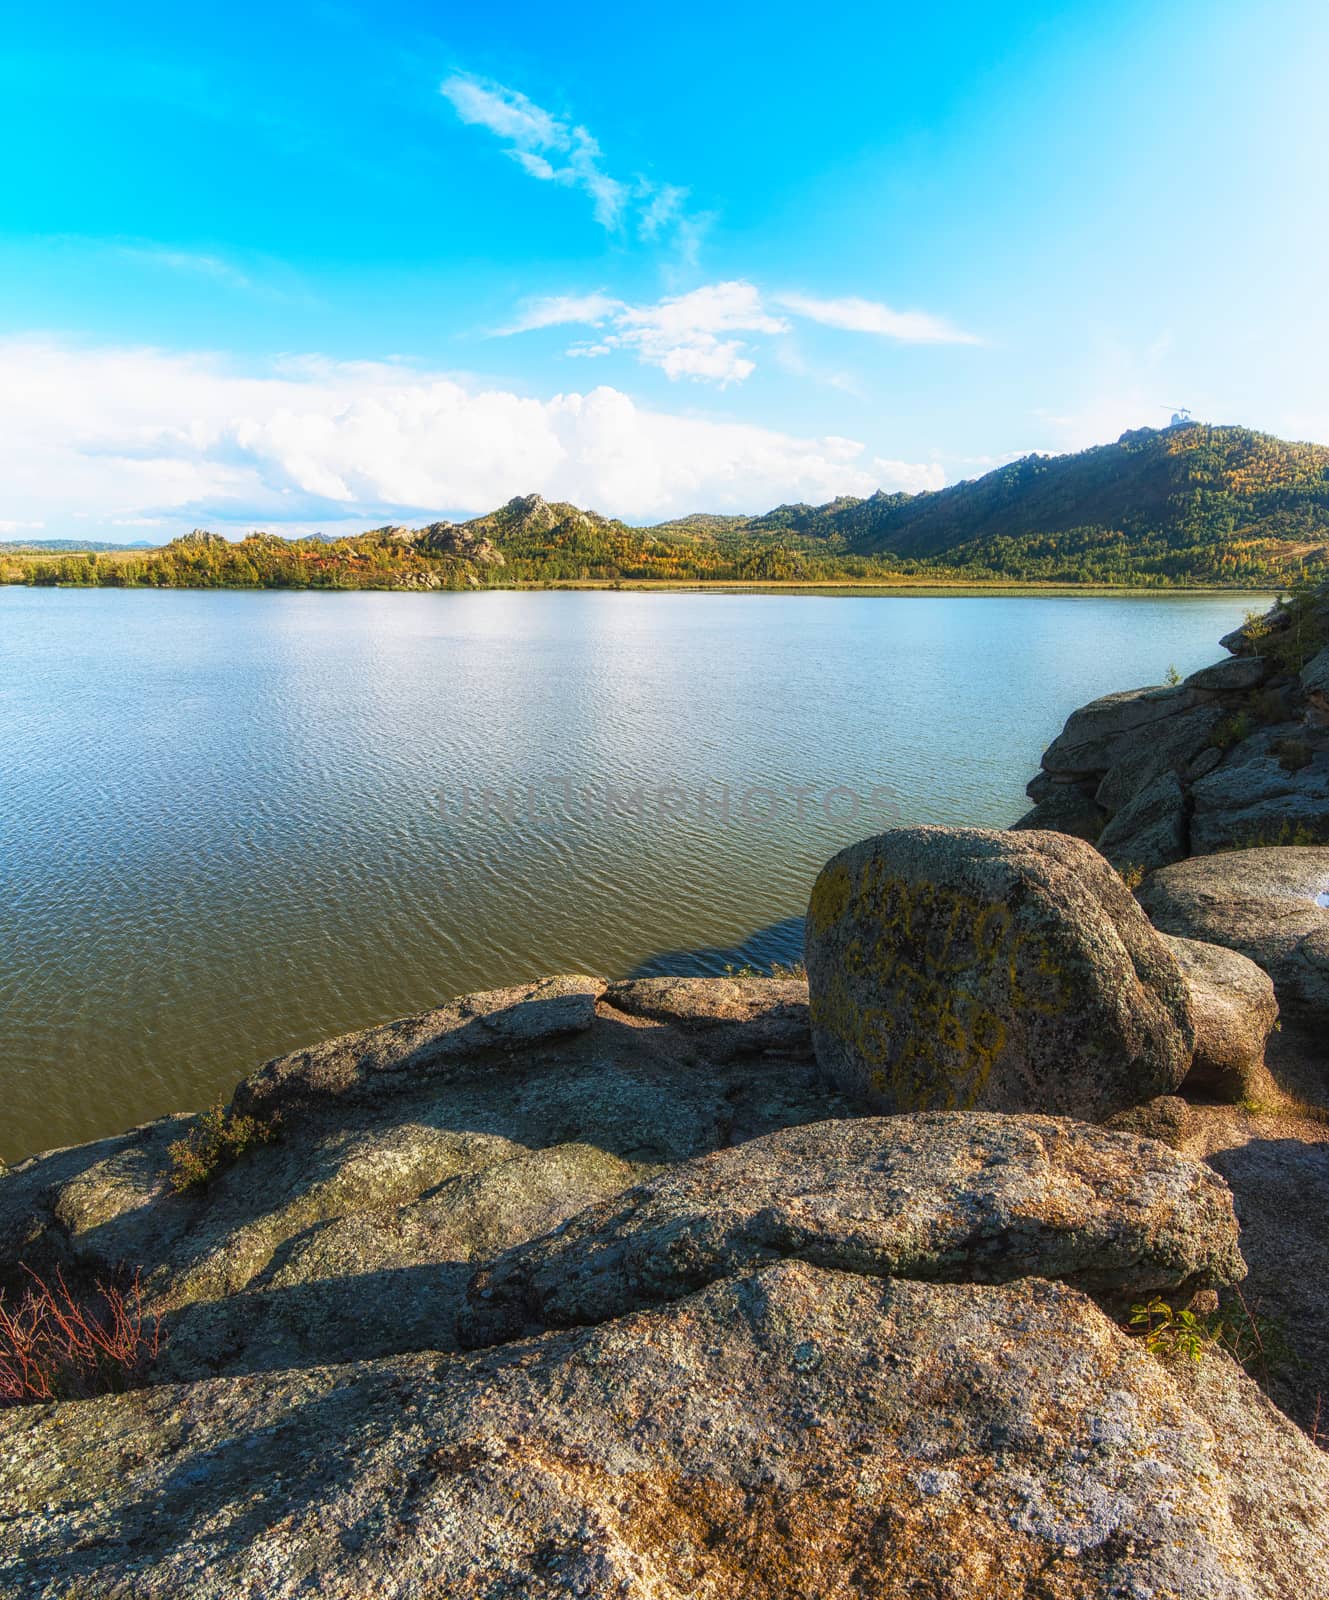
1293,754
218,1138
1232,730
57,1345
777,969
789,969
1173,1333
1289,833
1254,1341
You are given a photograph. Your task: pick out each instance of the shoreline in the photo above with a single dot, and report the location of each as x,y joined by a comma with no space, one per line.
959,588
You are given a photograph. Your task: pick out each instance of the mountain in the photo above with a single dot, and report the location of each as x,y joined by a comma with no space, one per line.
1217,500
70,546
1186,504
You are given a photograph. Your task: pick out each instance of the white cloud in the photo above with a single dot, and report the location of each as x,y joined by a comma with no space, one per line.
506,112
554,311
870,316
109,436
555,150
908,477
684,335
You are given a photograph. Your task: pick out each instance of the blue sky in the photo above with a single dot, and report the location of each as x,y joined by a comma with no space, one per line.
307,266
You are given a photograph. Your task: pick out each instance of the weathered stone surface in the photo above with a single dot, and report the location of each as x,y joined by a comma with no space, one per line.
1065,809
1159,748
1009,971
745,1014
343,1237
1315,681
792,1431
1167,1119
1150,830
1095,736
1232,675
1206,761
1234,1007
792,1428
1262,903
378,1282
1042,784
969,1196
371,1064
1256,798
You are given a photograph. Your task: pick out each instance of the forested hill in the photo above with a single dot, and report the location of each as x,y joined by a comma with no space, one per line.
1206,500
1186,504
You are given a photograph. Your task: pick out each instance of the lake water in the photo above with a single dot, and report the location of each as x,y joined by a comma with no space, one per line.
233,823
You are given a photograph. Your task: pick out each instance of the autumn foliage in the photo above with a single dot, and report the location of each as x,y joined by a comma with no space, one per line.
56,1345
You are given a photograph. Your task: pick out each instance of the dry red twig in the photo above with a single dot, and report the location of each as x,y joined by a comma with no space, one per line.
57,1346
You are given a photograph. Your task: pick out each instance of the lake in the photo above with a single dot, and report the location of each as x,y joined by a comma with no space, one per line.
238,822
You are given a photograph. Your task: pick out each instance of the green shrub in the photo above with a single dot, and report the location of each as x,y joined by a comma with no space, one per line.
1231,730
218,1138
1255,1342
1289,833
1293,754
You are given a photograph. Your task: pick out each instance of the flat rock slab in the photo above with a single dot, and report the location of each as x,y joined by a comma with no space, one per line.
790,1432
1263,903
1096,735
968,1196
739,1015
380,1060
965,967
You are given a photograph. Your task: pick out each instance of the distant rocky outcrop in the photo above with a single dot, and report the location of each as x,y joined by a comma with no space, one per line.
1234,757
453,539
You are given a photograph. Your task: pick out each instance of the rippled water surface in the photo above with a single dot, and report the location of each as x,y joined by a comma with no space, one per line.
236,822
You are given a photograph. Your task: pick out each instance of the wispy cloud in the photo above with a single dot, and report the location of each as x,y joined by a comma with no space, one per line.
555,149
561,309
187,261
870,316
262,277
686,336
701,334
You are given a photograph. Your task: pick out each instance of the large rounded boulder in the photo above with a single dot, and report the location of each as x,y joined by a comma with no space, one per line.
1235,1011
967,967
